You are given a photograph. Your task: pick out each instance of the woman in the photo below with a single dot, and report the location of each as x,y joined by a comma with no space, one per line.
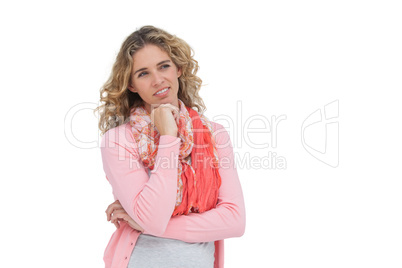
172,171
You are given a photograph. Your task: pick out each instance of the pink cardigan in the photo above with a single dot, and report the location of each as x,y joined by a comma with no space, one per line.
150,200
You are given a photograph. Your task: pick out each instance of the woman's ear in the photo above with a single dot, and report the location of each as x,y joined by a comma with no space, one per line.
179,73
132,89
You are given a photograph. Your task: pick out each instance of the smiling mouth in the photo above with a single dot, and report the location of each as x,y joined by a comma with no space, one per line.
160,92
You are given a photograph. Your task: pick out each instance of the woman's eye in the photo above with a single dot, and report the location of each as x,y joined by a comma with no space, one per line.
142,74
165,66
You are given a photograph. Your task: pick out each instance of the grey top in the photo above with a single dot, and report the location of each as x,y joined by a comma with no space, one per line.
156,252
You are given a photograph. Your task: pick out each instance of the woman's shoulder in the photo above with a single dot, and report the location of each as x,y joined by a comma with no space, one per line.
220,133
118,135
216,126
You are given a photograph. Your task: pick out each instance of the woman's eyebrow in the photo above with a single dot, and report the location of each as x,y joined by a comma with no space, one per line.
139,70
160,63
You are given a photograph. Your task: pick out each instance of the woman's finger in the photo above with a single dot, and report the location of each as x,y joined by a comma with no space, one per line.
112,206
118,215
118,211
115,205
170,106
110,211
116,223
175,110
121,215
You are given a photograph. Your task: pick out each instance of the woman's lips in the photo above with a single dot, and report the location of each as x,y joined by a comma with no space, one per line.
163,93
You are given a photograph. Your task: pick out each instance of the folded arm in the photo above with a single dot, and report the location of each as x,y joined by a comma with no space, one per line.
228,219
148,201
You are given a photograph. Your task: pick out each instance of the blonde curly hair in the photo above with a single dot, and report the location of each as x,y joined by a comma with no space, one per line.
118,100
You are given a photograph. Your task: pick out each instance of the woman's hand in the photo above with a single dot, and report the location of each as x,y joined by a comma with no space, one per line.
166,118
115,213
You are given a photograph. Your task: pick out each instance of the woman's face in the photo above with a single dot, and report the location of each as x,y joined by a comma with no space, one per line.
154,77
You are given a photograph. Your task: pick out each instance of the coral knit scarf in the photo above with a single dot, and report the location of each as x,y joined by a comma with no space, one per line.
198,178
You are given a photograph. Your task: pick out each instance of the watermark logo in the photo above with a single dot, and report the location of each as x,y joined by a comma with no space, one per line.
68,126
256,133
320,134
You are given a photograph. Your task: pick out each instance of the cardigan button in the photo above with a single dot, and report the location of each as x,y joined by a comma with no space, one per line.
125,258
132,243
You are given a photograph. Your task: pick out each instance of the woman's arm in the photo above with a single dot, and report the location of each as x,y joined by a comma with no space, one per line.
148,200
228,219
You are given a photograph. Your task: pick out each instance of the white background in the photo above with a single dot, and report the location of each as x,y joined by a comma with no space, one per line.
279,58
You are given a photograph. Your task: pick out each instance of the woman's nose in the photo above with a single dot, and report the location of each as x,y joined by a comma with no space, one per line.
157,79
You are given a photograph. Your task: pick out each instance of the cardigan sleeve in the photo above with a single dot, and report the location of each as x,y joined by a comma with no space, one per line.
148,199
228,219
